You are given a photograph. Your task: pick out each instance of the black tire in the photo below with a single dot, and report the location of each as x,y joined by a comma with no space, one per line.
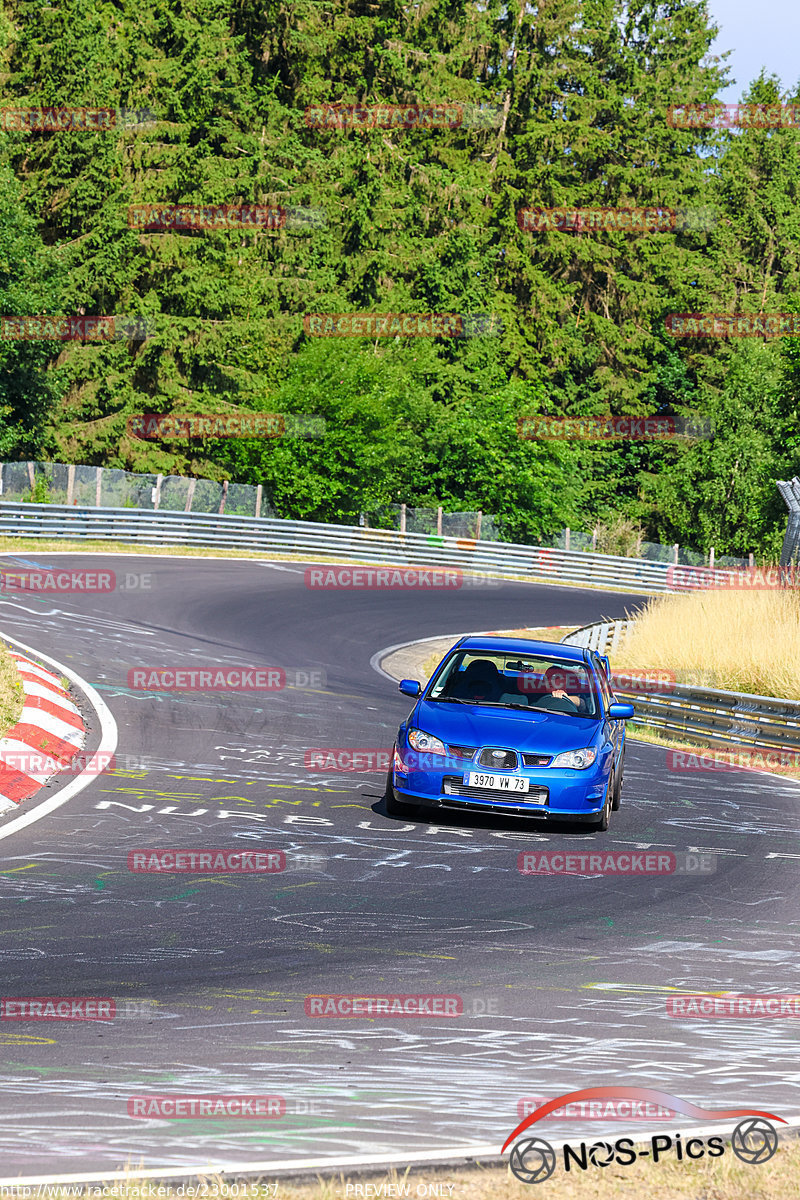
395,807
618,778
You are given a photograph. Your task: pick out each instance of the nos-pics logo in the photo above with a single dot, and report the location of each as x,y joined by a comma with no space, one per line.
753,1141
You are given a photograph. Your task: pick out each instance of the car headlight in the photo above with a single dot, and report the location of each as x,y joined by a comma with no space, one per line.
579,759
426,743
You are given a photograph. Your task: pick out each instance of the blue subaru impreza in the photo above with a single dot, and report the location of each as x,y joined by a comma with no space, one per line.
505,725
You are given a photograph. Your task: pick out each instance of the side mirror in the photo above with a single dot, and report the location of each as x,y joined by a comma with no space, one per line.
620,712
410,687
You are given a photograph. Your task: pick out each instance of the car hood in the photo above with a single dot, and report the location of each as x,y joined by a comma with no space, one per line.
537,732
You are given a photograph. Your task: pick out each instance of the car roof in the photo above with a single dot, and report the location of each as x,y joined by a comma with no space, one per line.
511,645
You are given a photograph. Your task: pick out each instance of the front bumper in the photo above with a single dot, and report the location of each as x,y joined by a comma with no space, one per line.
567,794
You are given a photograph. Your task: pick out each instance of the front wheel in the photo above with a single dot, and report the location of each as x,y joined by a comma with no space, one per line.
395,807
601,824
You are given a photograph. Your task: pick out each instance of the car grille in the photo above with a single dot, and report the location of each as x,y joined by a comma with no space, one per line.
453,786
490,757
463,751
529,760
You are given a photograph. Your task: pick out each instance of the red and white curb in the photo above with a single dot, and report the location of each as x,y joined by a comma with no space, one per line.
48,735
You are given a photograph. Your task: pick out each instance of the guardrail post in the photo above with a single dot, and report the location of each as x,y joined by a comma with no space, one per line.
71,483
478,526
751,561
259,492
98,486
566,538
675,554
594,539
31,477
402,518
224,496
157,492
439,521
190,495
711,558
1,478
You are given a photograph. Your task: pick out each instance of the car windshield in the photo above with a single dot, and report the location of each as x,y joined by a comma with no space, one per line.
523,682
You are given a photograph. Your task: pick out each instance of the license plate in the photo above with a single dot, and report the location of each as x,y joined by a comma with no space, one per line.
498,783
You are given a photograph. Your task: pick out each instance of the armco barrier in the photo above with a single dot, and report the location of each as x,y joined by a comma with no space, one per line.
700,714
603,636
318,542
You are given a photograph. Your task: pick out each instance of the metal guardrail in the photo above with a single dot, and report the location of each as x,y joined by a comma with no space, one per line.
696,713
603,636
701,714
318,541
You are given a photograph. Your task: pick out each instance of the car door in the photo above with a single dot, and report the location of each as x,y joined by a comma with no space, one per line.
615,729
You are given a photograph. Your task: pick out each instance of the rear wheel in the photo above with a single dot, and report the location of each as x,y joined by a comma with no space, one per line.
617,796
395,807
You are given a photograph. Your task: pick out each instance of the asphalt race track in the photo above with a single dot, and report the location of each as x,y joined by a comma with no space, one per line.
563,980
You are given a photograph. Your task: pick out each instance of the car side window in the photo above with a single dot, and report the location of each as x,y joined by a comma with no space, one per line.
604,688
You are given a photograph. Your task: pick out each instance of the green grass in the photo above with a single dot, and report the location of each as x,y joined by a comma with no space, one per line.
11,693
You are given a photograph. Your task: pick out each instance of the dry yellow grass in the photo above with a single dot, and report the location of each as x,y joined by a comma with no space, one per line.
743,641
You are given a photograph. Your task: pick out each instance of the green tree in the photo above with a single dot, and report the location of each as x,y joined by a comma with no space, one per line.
28,277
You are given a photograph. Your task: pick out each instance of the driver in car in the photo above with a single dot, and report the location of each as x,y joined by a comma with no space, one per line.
556,679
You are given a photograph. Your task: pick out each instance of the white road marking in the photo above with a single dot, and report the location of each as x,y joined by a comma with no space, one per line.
109,737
